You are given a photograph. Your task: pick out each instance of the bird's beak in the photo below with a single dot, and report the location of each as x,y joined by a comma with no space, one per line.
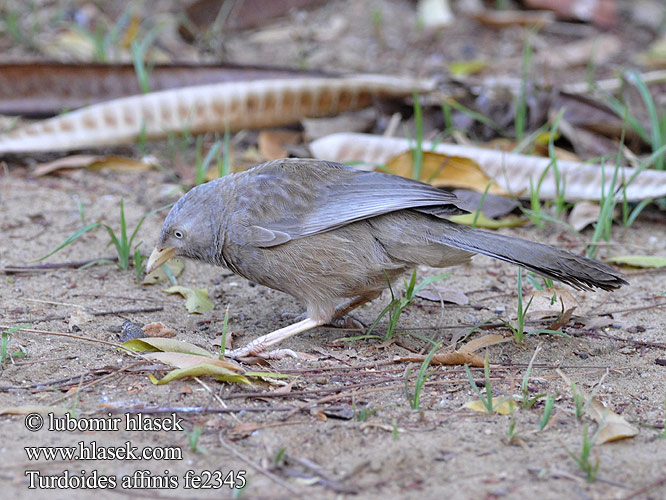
158,257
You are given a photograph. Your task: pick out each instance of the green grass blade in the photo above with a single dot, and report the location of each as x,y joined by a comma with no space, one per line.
70,240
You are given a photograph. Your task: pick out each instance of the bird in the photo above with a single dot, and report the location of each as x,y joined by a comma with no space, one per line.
333,237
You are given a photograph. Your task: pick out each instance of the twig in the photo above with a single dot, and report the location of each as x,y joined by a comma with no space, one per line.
258,468
99,313
63,334
49,267
645,489
215,396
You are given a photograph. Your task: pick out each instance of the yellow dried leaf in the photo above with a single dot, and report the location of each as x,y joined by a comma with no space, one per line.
445,171
154,344
201,370
647,261
184,360
197,298
613,426
501,405
467,68
487,223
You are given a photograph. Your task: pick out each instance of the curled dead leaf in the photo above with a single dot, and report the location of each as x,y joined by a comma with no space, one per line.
549,303
485,341
445,358
158,329
197,298
95,162
442,170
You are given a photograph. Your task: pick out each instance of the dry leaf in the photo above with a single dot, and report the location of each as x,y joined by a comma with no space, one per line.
184,360
485,341
645,261
549,302
612,425
505,18
445,358
503,406
467,68
485,222
271,143
164,345
26,410
442,170
197,298
94,162
583,214
158,329
175,265
513,172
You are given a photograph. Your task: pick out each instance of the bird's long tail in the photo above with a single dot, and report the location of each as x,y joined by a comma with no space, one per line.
579,272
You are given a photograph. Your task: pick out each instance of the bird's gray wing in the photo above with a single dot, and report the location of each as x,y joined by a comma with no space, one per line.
306,197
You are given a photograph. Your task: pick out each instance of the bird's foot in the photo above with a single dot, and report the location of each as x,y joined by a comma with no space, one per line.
244,354
348,321
252,353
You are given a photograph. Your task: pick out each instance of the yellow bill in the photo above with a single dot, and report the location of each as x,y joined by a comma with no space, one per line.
158,257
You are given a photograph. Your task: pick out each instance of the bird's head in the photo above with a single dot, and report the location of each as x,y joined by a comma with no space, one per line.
190,230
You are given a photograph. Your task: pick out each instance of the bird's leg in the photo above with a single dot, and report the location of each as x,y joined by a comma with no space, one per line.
350,304
341,310
257,347
342,318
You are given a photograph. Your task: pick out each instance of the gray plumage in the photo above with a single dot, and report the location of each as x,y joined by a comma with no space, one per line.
322,231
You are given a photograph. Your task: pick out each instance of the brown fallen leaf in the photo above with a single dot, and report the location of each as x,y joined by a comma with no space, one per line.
550,302
28,409
583,214
271,143
485,341
158,329
611,425
505,18
94,162
445,358
442,170
562,320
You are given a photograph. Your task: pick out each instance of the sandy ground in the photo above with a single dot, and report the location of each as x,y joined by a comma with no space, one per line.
440,449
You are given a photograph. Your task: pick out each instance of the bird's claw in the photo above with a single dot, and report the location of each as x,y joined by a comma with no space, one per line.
250,353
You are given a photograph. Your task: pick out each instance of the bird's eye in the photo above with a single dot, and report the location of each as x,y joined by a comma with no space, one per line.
179,234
